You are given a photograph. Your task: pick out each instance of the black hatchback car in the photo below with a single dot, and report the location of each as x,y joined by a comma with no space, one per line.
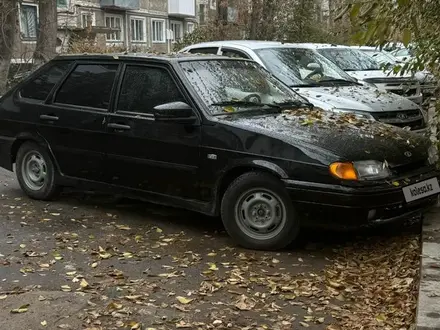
216,135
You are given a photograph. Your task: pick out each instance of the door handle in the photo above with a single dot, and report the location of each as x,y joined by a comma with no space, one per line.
49,117
119,127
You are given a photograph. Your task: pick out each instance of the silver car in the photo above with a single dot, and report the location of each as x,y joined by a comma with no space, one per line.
322,82
362,67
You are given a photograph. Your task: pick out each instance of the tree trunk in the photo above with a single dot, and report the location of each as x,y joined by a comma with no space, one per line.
47,32
8,28
255,19
268,18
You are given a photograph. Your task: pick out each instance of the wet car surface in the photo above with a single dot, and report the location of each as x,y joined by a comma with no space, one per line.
226,139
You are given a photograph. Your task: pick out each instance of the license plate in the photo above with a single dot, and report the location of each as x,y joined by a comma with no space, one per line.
421,190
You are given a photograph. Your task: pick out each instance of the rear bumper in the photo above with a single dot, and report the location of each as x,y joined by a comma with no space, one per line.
334,206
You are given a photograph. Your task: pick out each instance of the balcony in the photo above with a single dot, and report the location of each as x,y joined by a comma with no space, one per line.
182,8
121,4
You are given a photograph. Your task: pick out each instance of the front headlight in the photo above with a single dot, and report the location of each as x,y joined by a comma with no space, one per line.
357,113
361,170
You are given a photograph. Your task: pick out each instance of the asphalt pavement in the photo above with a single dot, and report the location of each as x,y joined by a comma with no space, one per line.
91,261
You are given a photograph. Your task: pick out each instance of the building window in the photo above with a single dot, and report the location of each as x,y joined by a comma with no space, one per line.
158,30
190,27
137,26
177,28
114,22
28,21
62,3
86,20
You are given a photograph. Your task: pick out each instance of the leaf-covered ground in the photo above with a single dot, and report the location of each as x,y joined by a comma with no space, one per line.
90,263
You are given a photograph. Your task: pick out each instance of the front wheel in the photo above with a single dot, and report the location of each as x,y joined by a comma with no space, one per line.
258,213
36,172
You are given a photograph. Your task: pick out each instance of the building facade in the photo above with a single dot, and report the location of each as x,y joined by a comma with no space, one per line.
134,25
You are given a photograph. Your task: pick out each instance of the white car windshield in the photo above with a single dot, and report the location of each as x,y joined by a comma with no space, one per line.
299,67
236,85
350,59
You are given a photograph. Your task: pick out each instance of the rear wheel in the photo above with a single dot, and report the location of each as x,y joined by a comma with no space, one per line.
36,172
258,213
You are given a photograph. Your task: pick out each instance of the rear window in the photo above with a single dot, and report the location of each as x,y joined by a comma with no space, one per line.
206,50
39,87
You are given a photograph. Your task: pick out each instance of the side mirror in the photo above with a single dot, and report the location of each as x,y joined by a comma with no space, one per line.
175,112
315,67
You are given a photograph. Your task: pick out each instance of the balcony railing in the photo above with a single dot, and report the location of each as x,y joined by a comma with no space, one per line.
121,4
182,8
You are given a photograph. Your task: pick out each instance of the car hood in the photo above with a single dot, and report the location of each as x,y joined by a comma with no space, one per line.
355,98
361,75
329,137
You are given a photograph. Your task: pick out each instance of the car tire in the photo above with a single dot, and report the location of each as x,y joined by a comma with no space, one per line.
258,214
36,172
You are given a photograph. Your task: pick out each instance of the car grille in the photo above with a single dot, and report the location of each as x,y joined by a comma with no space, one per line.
409,118
405,92
408,169
402,86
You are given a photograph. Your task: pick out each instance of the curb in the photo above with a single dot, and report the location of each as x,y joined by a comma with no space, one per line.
428,302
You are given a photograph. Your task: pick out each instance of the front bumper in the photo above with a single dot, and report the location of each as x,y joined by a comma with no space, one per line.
336,206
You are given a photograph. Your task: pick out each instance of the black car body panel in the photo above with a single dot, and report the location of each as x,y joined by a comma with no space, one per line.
191,165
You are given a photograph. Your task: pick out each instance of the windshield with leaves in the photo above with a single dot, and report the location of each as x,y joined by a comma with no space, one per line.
235,85
350,59
299,67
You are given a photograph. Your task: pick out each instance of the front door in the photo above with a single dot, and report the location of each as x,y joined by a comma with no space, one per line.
159,157
74,123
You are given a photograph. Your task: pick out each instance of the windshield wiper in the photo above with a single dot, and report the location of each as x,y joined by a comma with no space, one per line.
275,105
294,103
241,103
345,81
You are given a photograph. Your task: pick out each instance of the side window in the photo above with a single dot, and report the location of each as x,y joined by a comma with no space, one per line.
207,50
40,87
143,88
234,53
89,85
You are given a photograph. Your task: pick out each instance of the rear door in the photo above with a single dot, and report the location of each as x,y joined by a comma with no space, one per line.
73,122
159,157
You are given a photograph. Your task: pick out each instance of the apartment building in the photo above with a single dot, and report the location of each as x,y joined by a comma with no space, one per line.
140,25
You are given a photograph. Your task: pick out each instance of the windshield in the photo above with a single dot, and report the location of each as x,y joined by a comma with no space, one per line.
224,84
300,67
383,58
350,59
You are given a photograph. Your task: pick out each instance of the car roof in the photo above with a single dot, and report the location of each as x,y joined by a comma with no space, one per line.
257,44
174,57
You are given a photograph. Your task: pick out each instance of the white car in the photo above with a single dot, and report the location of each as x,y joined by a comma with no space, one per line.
362,67
388,61
320,81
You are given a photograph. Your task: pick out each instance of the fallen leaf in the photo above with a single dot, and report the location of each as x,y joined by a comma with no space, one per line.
213,266
184,300
21,309
66,288
123,227
304,324
84,284
94,265
43,323
244,303
212,254
134,325
2,297
158,230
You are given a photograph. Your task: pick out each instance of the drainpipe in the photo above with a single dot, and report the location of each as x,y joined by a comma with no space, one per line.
127,31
